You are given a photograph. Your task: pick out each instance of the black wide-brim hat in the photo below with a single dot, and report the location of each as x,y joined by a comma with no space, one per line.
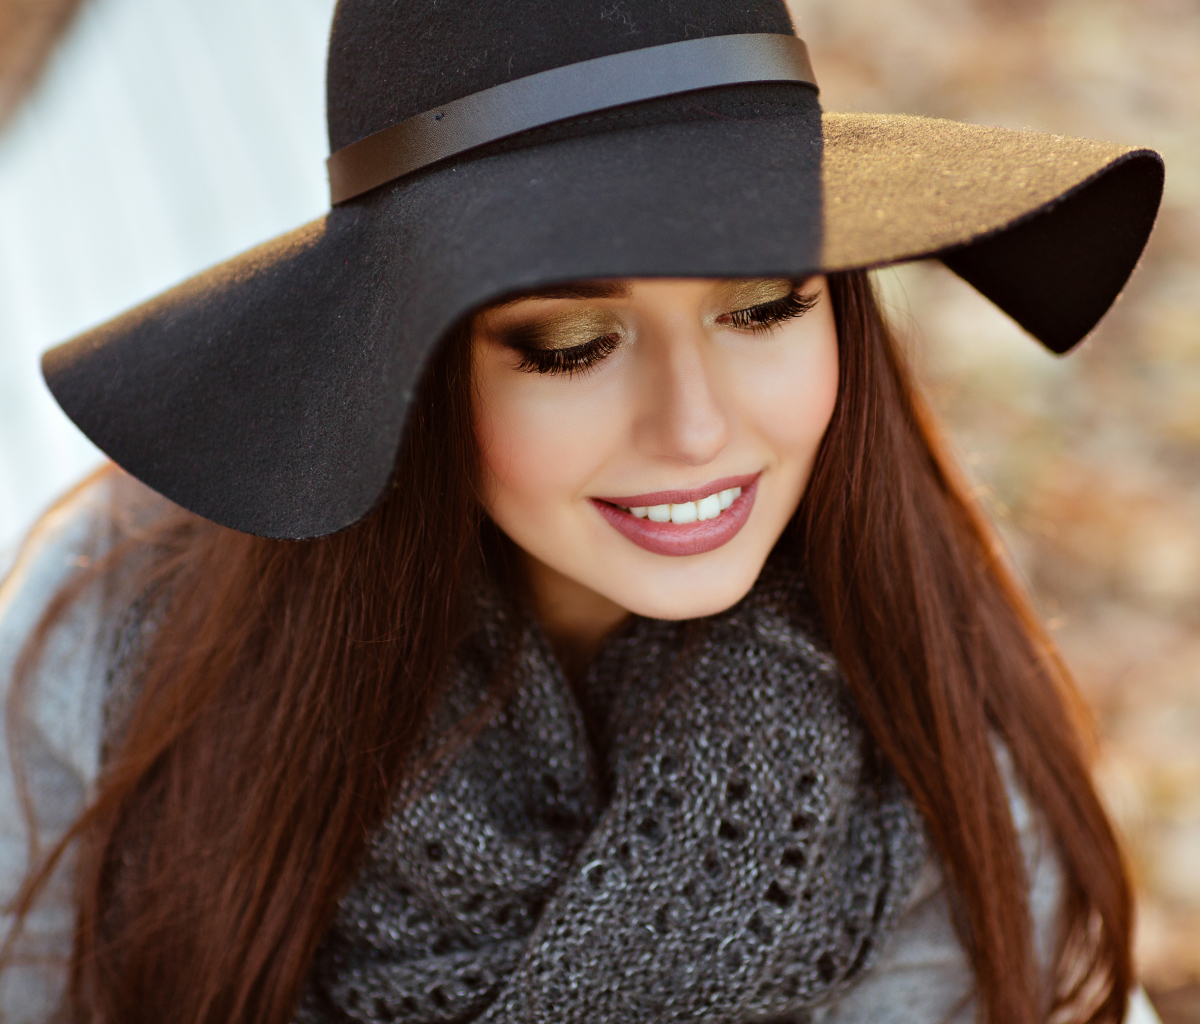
483,148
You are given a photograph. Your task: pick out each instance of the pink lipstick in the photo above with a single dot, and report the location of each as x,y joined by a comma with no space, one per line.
717,512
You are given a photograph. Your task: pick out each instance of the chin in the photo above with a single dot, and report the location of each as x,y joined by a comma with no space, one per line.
684,597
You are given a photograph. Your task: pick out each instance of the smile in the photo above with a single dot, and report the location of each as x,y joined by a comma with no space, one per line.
689,511
684,522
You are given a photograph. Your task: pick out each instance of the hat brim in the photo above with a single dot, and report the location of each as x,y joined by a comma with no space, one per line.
270,393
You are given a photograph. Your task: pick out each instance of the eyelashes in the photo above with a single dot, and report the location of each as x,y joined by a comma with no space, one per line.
576,359
581,358
765,316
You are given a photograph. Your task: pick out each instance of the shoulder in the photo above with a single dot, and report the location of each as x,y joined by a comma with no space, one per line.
69,538
61,608
57,711
923,975
55,718
64,555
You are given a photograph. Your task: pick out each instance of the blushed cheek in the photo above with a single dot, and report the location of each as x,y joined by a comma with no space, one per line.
793,406
537,455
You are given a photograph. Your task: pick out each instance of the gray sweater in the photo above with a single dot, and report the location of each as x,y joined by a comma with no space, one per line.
921,977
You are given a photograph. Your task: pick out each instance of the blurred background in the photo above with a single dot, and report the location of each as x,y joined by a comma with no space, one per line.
147,139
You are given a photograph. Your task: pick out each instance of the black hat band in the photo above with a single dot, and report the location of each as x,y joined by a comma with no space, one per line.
561,93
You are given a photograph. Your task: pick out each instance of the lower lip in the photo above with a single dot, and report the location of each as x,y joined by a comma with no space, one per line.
685,538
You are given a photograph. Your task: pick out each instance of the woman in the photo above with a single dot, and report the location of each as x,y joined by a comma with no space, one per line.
606,636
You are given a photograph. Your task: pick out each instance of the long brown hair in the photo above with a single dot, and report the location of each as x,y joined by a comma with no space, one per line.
286,685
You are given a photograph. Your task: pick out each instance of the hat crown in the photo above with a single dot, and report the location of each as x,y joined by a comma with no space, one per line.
393,59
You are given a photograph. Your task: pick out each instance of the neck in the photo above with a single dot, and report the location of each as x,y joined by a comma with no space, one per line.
575,618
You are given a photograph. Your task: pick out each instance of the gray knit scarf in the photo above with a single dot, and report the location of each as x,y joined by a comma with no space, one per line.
701,832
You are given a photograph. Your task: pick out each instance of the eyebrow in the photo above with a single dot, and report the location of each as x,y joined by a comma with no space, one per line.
572,290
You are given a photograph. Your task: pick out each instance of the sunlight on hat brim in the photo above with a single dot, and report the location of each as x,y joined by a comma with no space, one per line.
1046,226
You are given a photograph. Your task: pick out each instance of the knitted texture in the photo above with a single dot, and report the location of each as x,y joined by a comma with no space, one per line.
701,832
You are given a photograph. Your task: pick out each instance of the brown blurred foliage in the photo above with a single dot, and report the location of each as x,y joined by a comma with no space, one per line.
1089,464
28,31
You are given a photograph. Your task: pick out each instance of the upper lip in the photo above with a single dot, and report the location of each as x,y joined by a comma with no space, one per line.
679,497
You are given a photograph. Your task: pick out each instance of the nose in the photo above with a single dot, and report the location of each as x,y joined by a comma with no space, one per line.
682,418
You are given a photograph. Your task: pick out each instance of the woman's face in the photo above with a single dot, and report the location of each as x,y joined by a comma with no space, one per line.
618,419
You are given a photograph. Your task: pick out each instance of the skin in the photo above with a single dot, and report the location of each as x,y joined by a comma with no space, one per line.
685,396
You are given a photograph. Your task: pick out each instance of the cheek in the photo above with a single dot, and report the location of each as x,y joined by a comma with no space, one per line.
790,402
538,443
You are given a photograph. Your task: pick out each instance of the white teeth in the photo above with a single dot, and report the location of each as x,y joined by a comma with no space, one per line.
689,511
685,513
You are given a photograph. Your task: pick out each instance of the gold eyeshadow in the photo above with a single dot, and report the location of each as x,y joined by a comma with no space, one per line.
738,294
574,328
562,330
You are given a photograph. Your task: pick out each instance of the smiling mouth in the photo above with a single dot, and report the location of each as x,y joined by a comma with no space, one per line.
684,522
708,507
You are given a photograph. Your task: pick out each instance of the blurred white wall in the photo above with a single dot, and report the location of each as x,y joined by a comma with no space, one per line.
165,136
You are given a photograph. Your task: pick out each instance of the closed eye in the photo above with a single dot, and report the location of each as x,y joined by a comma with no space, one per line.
769,314
573,360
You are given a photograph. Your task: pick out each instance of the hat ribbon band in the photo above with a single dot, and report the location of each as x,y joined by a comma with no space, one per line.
561,93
